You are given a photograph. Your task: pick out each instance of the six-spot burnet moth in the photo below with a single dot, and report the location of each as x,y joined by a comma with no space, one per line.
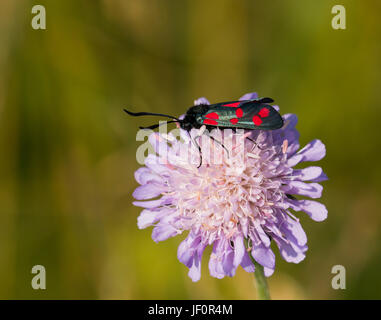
255,114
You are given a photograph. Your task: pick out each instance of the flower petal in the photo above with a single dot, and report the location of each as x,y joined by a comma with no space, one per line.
312,190
153,203
247,264
249,96
322,177
263,236
148,191
308,173
163,231
268,271
239,250
263,255
187,248
314,209
221,262
313,151
215,265
159,144
290,251
153,162
293,231
149,217
195,270
290,121
201,100
144,175
190,253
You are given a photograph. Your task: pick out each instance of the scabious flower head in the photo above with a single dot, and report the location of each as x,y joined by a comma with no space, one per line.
238,202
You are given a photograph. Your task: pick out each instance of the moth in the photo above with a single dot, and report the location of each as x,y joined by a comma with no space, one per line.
254,114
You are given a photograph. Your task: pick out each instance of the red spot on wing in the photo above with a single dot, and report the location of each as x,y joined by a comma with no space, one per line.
264,112
212,115
234,120
239,113
232,105
257,120
212,122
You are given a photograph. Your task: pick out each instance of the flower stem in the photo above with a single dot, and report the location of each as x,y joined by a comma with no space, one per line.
260,279
261,283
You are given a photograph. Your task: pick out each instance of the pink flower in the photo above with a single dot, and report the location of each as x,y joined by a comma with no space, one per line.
231,197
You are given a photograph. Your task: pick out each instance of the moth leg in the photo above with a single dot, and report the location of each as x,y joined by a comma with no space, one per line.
199,150
255,143
219,142
198,147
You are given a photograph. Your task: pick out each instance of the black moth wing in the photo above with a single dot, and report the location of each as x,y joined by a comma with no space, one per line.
247,114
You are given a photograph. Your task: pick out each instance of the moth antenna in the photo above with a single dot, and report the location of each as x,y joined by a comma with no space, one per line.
139,114
157,125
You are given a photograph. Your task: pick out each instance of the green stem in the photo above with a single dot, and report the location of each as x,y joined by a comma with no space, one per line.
261,283
260,279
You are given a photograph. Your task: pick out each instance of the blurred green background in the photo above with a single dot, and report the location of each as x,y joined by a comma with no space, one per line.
68,151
